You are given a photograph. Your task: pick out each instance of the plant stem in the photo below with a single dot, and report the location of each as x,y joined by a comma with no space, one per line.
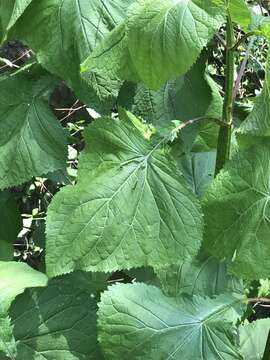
224,137
266,355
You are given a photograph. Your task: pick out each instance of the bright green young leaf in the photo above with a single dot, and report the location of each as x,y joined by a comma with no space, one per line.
10,12
14,278
207,277
130,208
57,322
253,339
32,142
240,13
64,33
138,322
236,209
10,225
160,40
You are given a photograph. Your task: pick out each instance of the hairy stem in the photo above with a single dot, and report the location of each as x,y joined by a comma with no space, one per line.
224,137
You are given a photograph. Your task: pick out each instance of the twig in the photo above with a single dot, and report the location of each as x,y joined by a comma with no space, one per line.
259,300
242,39
242,68
195,120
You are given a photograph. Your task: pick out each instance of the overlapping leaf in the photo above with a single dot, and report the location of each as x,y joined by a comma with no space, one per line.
206,277
57,322
130,208
14,278
139,322
32,142
240,13
160,40
10,225
64,33
236,209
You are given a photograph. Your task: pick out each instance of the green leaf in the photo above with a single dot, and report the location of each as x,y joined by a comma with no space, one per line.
198,169
206,277
14,278
32,142
257,122
10,12
10,225
240,13
145,216
139,322
236,209
253,339
160,40
176,99
64,33
57,322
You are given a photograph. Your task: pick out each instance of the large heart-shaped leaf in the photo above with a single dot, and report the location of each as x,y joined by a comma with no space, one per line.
236,209
160,40
32,142
139,322
131,206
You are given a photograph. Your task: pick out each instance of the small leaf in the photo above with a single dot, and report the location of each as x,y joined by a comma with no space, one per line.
253,339
139,322
32,142
145,216
236,209
160,40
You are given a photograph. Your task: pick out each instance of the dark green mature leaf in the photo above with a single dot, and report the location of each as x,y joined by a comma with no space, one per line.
160,40
139,322
130,208
189,96
236,209
64,33
57,322
207,277
10,12
253,339
198,169
14,278
32,142
10,225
